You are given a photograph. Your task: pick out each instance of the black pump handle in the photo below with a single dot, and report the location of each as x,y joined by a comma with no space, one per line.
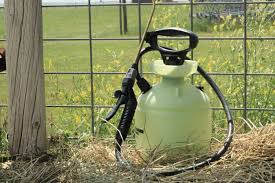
152,38
171,56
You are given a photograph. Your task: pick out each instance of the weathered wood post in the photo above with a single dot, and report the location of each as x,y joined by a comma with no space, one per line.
27,119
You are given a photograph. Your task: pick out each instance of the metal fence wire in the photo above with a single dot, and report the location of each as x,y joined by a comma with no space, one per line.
242,8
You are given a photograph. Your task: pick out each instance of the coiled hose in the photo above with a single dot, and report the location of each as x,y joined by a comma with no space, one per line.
230,130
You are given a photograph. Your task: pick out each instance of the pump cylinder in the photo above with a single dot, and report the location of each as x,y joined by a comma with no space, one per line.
174,114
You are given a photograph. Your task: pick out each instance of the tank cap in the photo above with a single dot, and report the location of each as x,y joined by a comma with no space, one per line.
186,69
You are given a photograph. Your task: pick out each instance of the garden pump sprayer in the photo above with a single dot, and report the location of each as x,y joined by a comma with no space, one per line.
172,111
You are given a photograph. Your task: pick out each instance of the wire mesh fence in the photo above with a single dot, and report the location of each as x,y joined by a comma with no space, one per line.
195,12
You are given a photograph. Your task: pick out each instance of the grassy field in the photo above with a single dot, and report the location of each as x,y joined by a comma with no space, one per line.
73,56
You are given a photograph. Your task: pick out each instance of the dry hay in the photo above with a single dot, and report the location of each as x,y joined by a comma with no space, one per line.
251,158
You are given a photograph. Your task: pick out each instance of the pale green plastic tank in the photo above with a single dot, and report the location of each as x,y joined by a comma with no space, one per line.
174,114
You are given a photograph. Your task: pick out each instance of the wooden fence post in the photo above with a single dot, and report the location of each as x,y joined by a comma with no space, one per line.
24,55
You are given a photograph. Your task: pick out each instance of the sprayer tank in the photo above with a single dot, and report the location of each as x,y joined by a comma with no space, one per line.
174,113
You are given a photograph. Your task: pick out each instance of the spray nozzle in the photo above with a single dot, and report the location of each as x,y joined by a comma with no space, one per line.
123,94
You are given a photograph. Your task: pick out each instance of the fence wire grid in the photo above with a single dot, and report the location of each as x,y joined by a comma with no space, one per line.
92,106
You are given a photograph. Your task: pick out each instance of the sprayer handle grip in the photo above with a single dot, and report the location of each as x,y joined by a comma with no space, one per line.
173,32
177,32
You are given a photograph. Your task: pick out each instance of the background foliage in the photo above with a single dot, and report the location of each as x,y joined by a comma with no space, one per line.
112,56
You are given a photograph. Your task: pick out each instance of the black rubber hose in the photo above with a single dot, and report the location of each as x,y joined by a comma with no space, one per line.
142,52
227,142
125,124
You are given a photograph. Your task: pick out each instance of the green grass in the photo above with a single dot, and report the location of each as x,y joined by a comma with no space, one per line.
109,56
